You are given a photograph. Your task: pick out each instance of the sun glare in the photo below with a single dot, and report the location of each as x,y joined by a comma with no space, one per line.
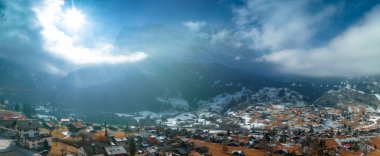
73,19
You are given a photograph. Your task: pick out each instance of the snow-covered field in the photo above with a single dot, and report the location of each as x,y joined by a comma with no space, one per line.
123,115
248,124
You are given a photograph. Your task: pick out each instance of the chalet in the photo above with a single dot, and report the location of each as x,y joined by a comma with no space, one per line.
115,151
65,121
28,134
202,149
144,144
91,149
75,127
237,153
182,151
50,125
156,140
120,141
152,150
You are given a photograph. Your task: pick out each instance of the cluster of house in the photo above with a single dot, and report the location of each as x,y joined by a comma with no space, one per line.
148,141
271,128
311,130
274,129
108,140
25,131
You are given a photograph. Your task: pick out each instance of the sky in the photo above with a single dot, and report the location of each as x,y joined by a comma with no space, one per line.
288,37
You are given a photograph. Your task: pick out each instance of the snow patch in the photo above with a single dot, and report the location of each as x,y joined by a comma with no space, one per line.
377,96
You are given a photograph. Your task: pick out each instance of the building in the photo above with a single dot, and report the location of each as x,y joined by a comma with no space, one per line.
115,151
91,149
28,134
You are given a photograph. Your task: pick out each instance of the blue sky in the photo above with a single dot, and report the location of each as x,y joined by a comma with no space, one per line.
310,38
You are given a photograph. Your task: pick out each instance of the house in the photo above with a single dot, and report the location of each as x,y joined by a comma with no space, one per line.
182,151
120,141
237,153
50,125
75,127
91,149
202,149
28,134
156,141
115,151
65,121
152,150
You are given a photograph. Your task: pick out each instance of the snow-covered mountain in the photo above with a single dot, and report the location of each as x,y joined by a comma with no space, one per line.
160,86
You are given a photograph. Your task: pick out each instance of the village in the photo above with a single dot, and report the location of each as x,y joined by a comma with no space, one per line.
263,129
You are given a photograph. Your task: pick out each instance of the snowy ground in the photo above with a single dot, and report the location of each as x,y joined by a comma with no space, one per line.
189,117
373,119
181,117
248,124
40,116
145,114
5,143
123,115
377,96
43,109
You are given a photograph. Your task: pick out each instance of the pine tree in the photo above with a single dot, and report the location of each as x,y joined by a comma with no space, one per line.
349,128
46,144
356,147
132,147
157,131
33,111
106,129
311,129
17,107
266,137
27,110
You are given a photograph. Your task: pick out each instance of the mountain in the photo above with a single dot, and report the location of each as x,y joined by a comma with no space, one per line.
158,85
152,86
358,92
21,84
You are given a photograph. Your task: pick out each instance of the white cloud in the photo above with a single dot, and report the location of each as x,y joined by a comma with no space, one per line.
194,25
58,42
274,25
354,52
220,36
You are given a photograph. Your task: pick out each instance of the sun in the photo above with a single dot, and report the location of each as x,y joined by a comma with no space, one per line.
74,19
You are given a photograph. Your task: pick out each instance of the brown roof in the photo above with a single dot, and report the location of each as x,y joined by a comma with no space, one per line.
331,143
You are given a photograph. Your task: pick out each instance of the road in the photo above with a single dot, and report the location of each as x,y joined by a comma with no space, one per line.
6,146
24,152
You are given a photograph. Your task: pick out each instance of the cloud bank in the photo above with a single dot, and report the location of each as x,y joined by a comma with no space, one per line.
284,32
354,52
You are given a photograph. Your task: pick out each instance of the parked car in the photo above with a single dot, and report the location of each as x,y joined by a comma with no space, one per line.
44,152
